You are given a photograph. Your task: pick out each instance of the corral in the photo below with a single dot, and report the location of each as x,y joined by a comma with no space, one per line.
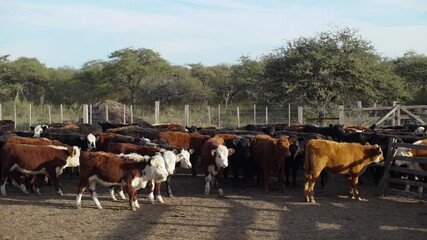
244,213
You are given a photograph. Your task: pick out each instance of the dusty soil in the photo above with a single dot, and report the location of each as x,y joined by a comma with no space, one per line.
244,213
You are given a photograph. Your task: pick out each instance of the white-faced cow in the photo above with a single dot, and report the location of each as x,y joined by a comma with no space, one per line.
215,159
37,159
109,169
342,158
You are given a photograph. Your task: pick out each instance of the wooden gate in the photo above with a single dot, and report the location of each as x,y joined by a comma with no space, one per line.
386,178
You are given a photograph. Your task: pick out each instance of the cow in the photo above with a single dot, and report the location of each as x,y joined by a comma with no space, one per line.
241,159
109,169
335,131
269,154
187,141
412,152
116,147
39,129
36,159
341,158
33,141
215,159
172,159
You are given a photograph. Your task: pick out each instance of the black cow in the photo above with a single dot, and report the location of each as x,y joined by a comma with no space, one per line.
334,131
241,159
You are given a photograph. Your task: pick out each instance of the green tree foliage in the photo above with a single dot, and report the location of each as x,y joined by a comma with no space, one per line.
130,69
247,74
25,79
330,68
175,86
413,67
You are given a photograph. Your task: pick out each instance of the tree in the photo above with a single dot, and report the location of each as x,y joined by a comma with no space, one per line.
413,67
330,68
246,76
129,69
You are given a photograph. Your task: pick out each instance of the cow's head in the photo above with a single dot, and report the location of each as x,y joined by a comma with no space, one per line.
73,159
39,129
183,157
221,154
156,169
282,146
242,145
171,159
377,154
91,141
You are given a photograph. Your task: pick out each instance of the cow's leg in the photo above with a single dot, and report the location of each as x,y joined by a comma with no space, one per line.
219,178
354,192
55,180
157,194
208,179
168,186
294,175
287,173
3,185
132,197
310,182
281,179
80,189
121,194
92,187
266,180
111,191
16,176
150,187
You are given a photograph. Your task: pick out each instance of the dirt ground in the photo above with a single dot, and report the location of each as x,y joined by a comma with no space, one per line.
244,213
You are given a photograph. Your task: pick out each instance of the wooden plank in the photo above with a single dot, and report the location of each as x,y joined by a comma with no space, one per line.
407,182
408,171
412,159
416,106
388,161
412,115
409,145
388,114
371,109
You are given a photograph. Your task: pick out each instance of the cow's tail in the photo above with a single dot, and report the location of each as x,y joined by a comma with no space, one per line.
306,165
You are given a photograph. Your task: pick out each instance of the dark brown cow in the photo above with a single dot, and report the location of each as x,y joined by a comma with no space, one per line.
269,154
215,159
37,159
341,158
109,169
115,147
104,138
187,141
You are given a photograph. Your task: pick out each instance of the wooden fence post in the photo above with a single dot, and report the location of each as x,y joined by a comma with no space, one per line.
106,112
359,112
254,114
238,117
131,114
157,112
289,114
85,113
124,113
341,115
266,115
49,114
300,115
62,113
186,115
14,114
1,112
219,116
29,116
90,114
209,117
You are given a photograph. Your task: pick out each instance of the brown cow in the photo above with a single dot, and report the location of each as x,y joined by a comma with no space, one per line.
37,159
215,159
342,158
116,147
109,169
269,154
187,141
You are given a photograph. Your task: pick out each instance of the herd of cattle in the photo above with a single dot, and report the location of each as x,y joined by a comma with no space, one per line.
143,155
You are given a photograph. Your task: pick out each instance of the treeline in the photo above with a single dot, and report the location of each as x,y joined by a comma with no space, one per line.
330,68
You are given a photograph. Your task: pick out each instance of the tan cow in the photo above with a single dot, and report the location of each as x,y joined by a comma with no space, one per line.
341,158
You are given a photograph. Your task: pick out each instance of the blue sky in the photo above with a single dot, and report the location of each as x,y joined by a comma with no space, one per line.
71,33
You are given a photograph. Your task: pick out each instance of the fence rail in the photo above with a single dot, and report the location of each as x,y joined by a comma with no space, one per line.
27,114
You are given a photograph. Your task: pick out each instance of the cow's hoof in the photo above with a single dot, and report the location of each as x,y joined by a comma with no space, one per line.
307,199
359,198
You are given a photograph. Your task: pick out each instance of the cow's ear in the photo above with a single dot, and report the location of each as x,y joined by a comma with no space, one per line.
236,141
191,151
301,139
252,140
175,151
230,151
213,151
